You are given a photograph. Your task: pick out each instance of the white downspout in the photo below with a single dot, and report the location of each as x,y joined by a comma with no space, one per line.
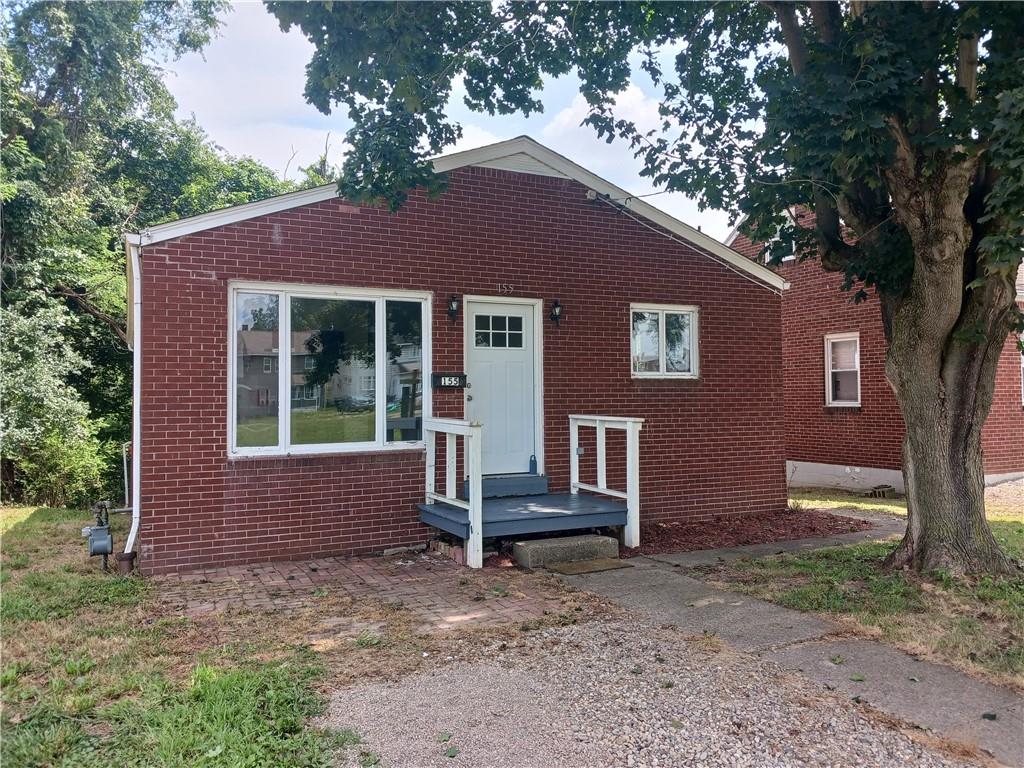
136,310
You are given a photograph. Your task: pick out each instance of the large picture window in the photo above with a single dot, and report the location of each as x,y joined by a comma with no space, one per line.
842,369
664,342
351,366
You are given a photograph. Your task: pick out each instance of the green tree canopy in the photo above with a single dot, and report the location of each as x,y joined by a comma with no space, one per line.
898,124
90,149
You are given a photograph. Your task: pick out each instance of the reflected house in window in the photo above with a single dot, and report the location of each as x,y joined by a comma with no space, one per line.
257,372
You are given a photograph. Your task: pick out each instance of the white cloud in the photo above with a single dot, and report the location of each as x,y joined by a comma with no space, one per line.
474,136
246,91
630,104
615,161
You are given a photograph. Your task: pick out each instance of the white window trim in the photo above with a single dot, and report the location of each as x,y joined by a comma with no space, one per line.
1022,371
287,291
829,338
661,309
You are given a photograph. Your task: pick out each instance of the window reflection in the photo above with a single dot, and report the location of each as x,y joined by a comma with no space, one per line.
645,342
677,343
257,364
333,371
404,371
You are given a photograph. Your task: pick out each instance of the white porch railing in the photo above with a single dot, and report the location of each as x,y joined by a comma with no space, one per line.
631,426
470,433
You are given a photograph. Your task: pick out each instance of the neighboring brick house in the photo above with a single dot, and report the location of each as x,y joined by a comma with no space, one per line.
845,429
573,321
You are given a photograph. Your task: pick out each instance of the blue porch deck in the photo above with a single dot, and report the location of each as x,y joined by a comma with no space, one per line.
517,515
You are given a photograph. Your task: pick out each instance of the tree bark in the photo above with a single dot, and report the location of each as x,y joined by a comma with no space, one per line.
943,354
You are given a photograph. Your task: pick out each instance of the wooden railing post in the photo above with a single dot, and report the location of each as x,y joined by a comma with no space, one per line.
451,456
431,439
474,462
574,455
471,434
632,532
631,425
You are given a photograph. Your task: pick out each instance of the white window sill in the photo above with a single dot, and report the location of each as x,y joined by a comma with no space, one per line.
842,405
691,376
358,448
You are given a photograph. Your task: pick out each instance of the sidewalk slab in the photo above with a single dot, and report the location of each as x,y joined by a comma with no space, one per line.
939,698
673,598
929,695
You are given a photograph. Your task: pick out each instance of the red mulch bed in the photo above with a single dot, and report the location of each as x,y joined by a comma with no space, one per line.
741,530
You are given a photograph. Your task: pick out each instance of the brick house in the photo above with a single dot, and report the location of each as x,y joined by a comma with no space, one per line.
533,350
843,427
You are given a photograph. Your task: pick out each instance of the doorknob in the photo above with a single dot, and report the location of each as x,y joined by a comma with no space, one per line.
468,398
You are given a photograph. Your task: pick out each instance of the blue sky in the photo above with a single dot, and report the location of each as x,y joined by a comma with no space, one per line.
246,88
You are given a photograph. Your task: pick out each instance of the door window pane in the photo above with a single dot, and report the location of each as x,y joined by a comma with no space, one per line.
334,407
404,371
257,346
646,341
500,331
677,343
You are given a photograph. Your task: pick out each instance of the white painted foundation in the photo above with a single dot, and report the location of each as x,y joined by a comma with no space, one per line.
809,474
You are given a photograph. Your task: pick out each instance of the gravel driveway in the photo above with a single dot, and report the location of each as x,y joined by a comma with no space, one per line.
623,694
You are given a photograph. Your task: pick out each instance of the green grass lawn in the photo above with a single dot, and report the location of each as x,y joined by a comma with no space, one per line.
974,624
1006,521
98,671
91,675
309,427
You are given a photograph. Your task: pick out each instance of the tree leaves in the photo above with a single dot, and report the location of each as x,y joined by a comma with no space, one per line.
738,129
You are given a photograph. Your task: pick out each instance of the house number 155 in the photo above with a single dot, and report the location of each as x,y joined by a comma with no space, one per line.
505,289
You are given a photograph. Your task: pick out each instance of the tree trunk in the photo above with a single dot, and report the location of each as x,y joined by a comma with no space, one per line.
944,345
945,485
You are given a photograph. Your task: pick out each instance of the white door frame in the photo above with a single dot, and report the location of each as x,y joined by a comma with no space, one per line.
538,360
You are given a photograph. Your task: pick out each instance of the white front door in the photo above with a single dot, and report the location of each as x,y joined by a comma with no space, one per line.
502,389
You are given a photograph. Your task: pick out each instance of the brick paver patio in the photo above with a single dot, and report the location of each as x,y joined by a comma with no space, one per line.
441,594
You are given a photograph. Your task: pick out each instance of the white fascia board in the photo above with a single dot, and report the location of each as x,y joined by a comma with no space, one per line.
731,238
490,153
235,213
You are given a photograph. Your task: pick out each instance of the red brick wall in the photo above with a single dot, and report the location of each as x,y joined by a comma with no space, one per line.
709,446
869,436
1002,438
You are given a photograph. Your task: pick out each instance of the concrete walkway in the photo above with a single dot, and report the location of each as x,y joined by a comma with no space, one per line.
931,696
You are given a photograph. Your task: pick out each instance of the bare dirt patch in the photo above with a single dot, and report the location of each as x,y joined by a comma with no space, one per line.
742,530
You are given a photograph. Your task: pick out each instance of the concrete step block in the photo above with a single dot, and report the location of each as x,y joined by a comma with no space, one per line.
564,549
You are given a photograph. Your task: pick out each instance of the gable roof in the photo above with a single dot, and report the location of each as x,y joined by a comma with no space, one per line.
521,155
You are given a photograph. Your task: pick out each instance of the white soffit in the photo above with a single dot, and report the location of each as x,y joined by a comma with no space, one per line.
522,155
521,163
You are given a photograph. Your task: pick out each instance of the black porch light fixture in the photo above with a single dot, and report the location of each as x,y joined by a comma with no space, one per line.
556,312
453,307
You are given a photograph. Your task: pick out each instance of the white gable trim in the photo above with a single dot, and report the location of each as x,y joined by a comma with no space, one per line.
507,155
235,213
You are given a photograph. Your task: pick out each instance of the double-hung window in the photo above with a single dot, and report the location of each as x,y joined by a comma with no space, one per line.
341,374
663,341
842,370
